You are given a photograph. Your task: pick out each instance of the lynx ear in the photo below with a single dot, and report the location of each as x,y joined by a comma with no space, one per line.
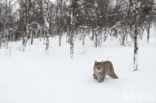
95,61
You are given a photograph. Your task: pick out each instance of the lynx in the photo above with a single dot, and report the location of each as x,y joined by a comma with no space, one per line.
101,69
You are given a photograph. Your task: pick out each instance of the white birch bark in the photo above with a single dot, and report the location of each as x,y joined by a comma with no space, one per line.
135,58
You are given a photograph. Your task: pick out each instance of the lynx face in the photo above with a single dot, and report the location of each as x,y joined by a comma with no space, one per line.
98,67
98,71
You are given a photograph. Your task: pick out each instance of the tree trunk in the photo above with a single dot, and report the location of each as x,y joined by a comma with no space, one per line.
84,36
71,44
124,36
47,40
47,27
96,39
148,33
32,38
92,37
60,37
83,41
24,41
135,58
0,42
74,5
123,40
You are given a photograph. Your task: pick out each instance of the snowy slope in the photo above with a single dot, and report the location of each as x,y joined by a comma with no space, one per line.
36,76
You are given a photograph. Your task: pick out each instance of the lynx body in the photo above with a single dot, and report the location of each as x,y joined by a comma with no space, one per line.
101,69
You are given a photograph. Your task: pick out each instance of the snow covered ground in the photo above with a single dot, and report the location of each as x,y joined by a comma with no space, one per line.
36,76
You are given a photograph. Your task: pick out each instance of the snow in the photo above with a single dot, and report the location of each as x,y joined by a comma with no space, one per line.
38,76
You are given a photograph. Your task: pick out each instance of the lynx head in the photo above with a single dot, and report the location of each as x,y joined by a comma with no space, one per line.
98,66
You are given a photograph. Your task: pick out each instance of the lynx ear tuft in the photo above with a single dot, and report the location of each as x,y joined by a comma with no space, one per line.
95,61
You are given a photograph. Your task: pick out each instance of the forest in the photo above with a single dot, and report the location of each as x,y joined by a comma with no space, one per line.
77,51
23,20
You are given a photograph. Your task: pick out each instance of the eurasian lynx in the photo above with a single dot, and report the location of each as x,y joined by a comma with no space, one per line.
101,69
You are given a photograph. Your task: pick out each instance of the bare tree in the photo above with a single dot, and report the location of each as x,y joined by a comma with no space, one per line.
135,58
72,25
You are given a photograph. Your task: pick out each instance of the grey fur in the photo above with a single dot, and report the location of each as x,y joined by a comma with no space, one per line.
101,69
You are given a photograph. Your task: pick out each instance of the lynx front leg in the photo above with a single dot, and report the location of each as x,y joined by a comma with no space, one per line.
101,78
95,77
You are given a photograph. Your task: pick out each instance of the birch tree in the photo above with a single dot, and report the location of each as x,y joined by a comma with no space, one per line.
135,58
46,19
72,24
